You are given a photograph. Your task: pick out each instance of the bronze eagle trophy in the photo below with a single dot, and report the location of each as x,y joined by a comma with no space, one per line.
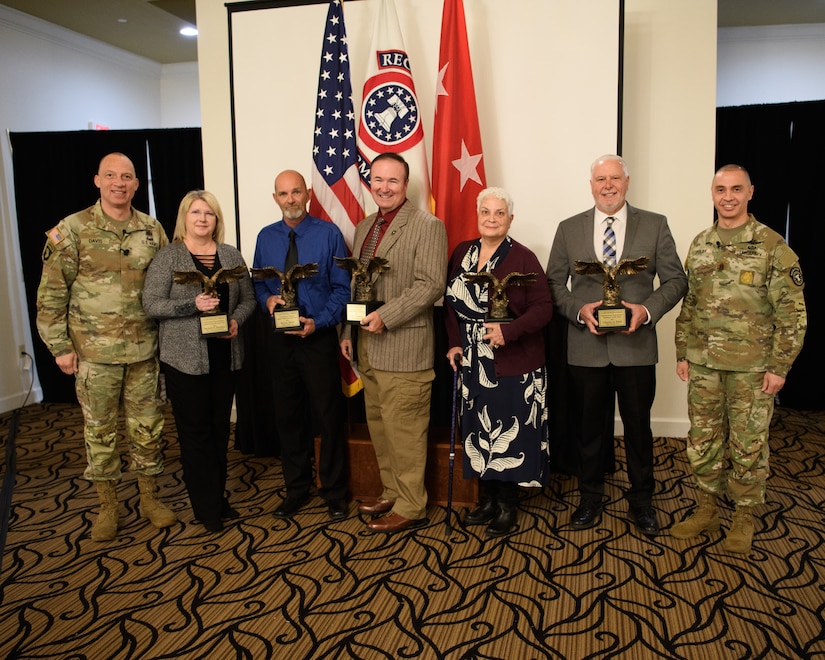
499,301
213,323
286,317
612,315
364,293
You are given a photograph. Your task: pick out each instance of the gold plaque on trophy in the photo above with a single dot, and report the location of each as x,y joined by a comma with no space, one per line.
611,315
364,277
216,322
287,316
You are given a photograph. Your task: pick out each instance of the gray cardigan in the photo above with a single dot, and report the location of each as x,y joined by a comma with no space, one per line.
181,344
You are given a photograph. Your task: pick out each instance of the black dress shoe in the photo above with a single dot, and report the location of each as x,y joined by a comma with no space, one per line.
587,515
213,526
227,512
482,514
338,509
503,523
645,520
289,507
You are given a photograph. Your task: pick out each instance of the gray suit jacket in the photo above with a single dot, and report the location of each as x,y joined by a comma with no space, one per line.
415,245
647,235
181,344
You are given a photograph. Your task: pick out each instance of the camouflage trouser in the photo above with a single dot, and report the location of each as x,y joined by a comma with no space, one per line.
729,421
99,388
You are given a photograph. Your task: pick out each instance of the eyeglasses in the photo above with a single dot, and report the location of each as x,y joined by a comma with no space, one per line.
205,214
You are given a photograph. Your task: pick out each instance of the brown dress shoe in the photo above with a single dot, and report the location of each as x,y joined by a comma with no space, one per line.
392,523
375,506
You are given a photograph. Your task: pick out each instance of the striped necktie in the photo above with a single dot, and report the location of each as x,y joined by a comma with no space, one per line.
368,251
609,245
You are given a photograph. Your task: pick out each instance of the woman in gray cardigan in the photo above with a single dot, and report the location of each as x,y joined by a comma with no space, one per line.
199,370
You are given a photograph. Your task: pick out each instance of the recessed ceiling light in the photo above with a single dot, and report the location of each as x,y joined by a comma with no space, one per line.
189,32
123,20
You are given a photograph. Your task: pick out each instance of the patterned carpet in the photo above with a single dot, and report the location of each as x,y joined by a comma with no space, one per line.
315,589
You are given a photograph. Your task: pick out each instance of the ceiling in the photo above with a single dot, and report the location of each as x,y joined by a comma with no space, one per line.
151,27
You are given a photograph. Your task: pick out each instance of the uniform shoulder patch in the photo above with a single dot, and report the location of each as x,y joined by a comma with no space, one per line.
796,276
55,235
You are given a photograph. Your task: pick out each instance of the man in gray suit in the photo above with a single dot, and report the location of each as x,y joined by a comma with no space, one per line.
622,361
395,343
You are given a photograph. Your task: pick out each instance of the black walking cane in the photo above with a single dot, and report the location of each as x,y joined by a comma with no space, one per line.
448,528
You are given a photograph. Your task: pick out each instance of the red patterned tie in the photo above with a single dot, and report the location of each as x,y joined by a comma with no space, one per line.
368,251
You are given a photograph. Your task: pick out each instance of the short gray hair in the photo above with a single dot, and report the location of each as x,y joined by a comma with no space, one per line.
498,193
612,157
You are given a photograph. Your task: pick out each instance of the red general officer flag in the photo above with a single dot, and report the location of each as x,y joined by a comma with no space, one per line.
458,167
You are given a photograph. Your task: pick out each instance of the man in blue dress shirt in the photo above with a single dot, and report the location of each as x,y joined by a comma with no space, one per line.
305,368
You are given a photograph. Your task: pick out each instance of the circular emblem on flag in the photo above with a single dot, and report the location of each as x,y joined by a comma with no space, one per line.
390,116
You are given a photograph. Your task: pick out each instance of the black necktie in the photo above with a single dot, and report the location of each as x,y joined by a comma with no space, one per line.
292,253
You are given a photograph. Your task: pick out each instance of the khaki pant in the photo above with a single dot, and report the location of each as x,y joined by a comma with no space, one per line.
100,389
398,416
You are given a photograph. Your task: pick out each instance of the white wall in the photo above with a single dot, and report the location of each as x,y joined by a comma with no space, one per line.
522,69
669,133
56,80
669,143
771,64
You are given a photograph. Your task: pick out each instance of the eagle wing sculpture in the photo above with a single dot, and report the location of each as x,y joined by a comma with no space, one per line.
288,279
210,284
609,285
348,263
362,273
498,288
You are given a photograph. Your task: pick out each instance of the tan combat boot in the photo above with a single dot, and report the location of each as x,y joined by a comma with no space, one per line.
104,527
741,531
150,506
705,518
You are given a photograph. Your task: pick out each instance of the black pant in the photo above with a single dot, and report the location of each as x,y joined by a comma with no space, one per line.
202,406
635,387
308,398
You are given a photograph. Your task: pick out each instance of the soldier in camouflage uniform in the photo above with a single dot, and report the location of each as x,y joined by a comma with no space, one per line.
89,314
741,327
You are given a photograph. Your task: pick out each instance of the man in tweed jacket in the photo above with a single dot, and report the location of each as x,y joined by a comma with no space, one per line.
395,343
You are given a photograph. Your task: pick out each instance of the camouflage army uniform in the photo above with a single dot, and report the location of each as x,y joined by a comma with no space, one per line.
744,314
89,301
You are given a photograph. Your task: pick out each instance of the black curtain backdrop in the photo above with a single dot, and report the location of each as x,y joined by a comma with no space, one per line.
54,177
781,146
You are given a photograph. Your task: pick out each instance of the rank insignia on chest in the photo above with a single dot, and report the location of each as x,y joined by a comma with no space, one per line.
746,277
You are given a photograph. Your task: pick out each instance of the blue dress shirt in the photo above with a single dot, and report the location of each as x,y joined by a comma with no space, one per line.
321,297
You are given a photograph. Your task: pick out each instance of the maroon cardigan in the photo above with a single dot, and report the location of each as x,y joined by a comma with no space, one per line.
531,306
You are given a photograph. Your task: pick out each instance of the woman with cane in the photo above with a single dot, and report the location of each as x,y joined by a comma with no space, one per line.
503,414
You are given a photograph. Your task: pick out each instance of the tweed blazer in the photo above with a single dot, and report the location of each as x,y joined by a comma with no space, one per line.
415,245
181,344
647,235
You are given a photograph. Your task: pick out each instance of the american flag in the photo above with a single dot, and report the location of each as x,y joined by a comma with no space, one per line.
336,186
